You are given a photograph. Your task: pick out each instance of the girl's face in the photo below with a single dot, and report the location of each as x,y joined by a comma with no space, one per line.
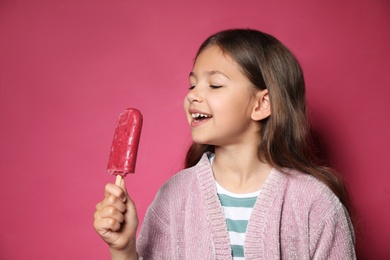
220,101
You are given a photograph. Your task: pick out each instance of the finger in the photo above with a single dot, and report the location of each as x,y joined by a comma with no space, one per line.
99,206
111,201
111,212
112,189
104,225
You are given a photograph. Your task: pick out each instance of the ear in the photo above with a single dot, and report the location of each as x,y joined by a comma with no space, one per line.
262,107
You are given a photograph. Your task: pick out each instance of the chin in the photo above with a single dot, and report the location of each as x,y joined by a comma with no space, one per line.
199,140
202,141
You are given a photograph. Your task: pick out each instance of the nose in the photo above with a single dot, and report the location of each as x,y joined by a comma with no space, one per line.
193,96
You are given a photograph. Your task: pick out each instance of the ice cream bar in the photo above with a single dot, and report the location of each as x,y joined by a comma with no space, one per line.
124,147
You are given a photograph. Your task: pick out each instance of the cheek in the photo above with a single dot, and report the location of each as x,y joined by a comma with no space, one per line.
186,103
234,107
186,106
223,105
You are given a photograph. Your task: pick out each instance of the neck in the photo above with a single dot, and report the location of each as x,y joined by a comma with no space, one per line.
239,170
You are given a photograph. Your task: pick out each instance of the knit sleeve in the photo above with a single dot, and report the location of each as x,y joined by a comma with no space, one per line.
154,239
333,237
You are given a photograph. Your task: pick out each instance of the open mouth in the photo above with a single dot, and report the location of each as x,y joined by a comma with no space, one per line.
199,116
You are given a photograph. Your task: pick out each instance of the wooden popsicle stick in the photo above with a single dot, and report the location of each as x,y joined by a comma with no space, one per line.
118,180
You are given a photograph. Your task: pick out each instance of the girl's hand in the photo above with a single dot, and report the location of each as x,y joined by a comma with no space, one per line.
116,221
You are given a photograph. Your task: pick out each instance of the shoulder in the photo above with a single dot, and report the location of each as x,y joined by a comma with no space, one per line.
314,201
326,219
179,182
182,190
306,188
311,197
186,180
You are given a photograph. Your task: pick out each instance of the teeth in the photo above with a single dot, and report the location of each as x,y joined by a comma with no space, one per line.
199,115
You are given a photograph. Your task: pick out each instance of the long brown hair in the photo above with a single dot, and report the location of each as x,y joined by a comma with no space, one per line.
285,136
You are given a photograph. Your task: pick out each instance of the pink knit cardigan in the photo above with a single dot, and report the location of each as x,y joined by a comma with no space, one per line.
295,217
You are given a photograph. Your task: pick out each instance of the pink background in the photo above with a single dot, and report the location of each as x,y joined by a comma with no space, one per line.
68,68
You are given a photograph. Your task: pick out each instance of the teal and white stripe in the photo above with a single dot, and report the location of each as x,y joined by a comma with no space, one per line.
238,209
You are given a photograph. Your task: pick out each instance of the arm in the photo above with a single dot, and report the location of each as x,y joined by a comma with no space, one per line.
116,221
154,240
333,237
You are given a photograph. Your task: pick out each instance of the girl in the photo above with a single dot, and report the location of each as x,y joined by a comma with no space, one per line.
252,187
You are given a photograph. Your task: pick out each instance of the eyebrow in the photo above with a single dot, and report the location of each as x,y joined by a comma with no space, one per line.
212,72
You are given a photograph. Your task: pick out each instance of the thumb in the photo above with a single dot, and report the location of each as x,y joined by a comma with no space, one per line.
123,184
131,216
129,202
123,187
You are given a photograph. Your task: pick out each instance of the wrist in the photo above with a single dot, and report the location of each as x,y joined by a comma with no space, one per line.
128,253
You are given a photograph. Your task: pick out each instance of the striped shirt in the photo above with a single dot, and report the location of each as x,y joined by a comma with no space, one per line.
238,209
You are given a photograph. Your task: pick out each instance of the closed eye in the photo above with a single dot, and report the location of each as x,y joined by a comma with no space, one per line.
211,86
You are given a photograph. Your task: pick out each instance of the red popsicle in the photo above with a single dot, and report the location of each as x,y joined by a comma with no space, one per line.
124,147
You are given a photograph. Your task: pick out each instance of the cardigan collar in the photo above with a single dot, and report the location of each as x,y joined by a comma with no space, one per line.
256,224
